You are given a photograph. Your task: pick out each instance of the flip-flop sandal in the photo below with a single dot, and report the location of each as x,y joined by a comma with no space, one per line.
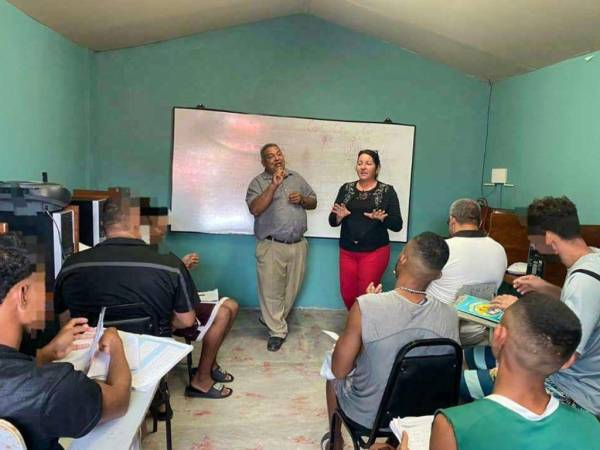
220,375
215,391
325,441
217,374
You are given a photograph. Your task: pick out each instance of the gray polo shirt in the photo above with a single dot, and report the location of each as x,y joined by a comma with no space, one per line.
281,220
581,293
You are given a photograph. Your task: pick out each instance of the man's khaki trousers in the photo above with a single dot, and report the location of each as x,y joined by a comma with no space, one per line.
280,269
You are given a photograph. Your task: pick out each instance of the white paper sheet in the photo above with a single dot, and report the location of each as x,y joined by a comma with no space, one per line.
417,428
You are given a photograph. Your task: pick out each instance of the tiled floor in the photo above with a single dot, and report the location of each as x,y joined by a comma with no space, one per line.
278,401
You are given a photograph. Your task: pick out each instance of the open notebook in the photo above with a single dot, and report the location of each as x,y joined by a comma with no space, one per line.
149,358
417,428
325,371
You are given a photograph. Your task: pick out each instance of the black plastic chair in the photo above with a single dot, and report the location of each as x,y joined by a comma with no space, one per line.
417,386
131,317
138,318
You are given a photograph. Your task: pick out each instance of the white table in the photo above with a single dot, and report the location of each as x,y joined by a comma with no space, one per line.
117,434
157,357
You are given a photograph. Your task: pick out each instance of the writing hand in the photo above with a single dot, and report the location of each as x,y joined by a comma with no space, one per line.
110,341
377,214
503,301
190,260
295,198
340,210
372,289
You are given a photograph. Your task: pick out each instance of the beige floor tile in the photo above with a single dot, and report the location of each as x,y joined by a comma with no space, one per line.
279,398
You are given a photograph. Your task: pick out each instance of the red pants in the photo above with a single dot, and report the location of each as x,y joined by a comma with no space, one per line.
358,269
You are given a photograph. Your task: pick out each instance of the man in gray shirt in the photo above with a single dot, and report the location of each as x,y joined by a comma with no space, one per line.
380,324
278,199
553,228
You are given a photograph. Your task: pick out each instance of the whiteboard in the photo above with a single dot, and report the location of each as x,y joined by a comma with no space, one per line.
216,154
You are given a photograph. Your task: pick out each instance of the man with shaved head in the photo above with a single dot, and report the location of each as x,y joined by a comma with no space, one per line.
380,324
537,337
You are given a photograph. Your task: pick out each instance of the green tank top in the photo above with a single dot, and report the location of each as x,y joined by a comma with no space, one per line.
485,424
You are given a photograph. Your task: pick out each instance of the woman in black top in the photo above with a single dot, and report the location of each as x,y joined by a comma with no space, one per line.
366,209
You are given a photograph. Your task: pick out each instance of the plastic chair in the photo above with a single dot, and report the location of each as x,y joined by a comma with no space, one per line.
10,437
132,318
417,386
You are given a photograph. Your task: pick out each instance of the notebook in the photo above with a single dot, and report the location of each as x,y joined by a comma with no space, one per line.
479,307
417,428
149,358
209,296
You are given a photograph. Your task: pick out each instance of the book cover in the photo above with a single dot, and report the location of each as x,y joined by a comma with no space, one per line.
479,307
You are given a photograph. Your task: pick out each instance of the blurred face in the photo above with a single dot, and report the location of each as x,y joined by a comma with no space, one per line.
134,221
366,168
273,159
542,243
158,228
31,301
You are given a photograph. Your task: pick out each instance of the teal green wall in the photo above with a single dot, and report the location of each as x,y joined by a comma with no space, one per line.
298,66
545,128
44,106
105,119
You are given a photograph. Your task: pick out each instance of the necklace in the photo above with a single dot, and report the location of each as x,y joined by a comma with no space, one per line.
412,291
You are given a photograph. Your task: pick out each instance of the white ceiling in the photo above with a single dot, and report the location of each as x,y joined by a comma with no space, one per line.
490,39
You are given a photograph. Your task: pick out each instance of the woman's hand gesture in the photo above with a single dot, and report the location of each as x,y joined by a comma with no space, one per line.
377,214
340,210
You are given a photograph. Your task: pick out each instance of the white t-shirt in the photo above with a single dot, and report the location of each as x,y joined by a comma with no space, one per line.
474,258
551,407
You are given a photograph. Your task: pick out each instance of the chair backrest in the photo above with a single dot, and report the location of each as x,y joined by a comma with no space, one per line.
421,384
10,437
487,291
131,317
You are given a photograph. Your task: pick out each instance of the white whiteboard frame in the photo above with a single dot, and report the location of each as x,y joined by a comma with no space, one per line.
393,236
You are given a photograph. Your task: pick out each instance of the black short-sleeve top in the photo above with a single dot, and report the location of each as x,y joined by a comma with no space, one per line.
121,271
360,233
46,403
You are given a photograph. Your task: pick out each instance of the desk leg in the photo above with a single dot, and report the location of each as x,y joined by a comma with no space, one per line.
169,441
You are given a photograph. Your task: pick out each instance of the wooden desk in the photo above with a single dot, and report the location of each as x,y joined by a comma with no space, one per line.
117,434
509,278
510,231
